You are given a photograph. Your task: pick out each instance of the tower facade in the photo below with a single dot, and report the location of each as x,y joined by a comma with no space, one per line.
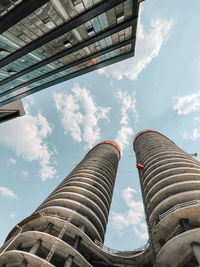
64,228
170,183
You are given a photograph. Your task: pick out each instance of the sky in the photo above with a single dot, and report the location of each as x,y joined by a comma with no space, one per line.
157,89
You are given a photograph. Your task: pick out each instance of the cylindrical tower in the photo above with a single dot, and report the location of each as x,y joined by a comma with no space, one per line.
170,183
62,229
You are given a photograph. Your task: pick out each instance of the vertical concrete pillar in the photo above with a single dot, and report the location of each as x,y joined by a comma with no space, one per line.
49,228
78,238
196,250
35,247
184,222
69,261
77,241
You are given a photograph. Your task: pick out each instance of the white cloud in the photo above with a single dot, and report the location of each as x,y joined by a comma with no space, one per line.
6,192
25,174
195,134
11,161
148,45
124,136
128,104
80,115
133,218
26,136
12,215
142,231
119,222
188,103
185,105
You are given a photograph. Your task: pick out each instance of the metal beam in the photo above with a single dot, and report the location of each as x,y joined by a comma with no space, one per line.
98,37
19,12
70,76
70,65
63,29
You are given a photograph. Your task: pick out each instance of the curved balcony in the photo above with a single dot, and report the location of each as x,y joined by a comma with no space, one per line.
171,201
164,161
75,218
99,172
103,254
144,156
169,220
180,247
86,193
169,181
100,179
109,169
89,187
17,258
162,155
169,166
88,181
29,238
88,202
171,190
151,148
79,208
167,173
101,163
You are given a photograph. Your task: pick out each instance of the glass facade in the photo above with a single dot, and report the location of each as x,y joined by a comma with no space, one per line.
89,43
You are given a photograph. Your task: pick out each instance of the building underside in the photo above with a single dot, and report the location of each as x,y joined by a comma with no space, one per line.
45,42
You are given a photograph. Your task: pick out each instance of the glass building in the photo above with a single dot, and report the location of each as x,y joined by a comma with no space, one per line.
45,42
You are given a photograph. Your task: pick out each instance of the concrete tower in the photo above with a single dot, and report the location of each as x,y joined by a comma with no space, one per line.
65,227
170,183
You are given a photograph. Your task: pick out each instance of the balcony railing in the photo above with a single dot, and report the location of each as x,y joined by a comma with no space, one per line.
179,206
183,229
119,252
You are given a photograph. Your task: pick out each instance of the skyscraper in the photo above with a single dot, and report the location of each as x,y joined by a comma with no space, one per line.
64,228
45,42
170,183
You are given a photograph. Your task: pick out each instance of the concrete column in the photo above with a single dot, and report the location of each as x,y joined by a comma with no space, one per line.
69,261
19,247
35,247
77,241
82,228
49,228
78,238
196,250
184,222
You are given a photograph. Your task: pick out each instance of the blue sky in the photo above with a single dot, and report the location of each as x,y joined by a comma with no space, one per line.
158,89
